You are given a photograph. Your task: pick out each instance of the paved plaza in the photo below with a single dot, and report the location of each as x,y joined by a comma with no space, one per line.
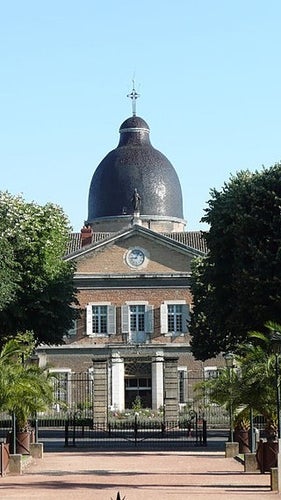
137,476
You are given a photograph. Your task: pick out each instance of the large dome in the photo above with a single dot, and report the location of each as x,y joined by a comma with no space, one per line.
135,164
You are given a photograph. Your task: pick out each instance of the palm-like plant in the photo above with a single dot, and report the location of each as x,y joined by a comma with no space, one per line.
257,379
30,391
259,375
9,358
223,390
24,387
252,384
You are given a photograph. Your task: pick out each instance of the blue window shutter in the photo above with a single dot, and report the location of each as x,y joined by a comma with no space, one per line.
185,318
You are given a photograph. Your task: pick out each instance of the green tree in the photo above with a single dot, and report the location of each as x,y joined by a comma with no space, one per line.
41,296
237,286
8,273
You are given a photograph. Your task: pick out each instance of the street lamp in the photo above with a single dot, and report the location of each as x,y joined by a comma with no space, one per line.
276,347
229,361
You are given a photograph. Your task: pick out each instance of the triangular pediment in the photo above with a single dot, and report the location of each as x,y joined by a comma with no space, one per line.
134,250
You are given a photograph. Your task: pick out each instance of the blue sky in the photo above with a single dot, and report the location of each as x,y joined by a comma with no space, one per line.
208,72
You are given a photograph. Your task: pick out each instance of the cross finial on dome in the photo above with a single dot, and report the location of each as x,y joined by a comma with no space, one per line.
134,96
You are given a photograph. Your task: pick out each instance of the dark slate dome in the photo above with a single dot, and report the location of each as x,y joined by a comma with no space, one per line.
135,164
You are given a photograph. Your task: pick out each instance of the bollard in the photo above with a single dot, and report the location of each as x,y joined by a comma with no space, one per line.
36,450
250,462
231,449
274,479
15,464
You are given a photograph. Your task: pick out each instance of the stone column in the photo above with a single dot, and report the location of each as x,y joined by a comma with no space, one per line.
157,372
171,399
100,389
118,382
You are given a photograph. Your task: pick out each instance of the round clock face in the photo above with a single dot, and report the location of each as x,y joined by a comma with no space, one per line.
135,257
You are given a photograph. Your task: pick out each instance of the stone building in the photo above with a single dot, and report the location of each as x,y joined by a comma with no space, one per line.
133,267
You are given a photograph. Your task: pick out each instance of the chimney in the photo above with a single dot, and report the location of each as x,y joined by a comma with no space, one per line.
86,235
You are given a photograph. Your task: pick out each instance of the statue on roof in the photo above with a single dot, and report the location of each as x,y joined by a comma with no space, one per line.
136,201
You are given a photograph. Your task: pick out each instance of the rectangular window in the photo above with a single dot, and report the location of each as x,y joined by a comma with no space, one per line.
99,319
137,321
210,372
138,383
72,331
182,385
61,384
174,318
137,318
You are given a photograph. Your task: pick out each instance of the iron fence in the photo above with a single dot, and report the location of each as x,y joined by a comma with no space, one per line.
136,433
5,426
70,421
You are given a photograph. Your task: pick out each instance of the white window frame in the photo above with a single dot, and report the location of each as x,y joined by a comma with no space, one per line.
210,372
164,317
73,331
111,319
148,317
67,372
137,317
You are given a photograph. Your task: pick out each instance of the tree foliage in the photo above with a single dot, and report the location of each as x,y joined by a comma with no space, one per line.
39,293
237,286
8,273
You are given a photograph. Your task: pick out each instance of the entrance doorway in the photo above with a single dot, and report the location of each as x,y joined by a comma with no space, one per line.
138,383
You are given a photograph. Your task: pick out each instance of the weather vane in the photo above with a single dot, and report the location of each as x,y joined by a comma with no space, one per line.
134,96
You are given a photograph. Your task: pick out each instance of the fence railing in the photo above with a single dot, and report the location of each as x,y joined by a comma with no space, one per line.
76,430
136,433
216,417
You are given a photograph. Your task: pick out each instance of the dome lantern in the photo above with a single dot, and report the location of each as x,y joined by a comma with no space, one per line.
135,164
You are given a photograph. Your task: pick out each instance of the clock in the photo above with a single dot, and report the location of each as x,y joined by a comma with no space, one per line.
135,257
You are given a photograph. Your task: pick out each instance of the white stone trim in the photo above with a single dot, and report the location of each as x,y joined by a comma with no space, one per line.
117,382
174,302
136,302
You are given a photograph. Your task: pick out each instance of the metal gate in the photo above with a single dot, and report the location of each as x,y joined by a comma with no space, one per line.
137,433
70,422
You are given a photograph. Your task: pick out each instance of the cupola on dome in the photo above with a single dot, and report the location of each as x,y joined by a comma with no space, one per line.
135,165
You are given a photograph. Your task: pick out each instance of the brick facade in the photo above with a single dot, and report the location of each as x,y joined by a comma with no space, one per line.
104,276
